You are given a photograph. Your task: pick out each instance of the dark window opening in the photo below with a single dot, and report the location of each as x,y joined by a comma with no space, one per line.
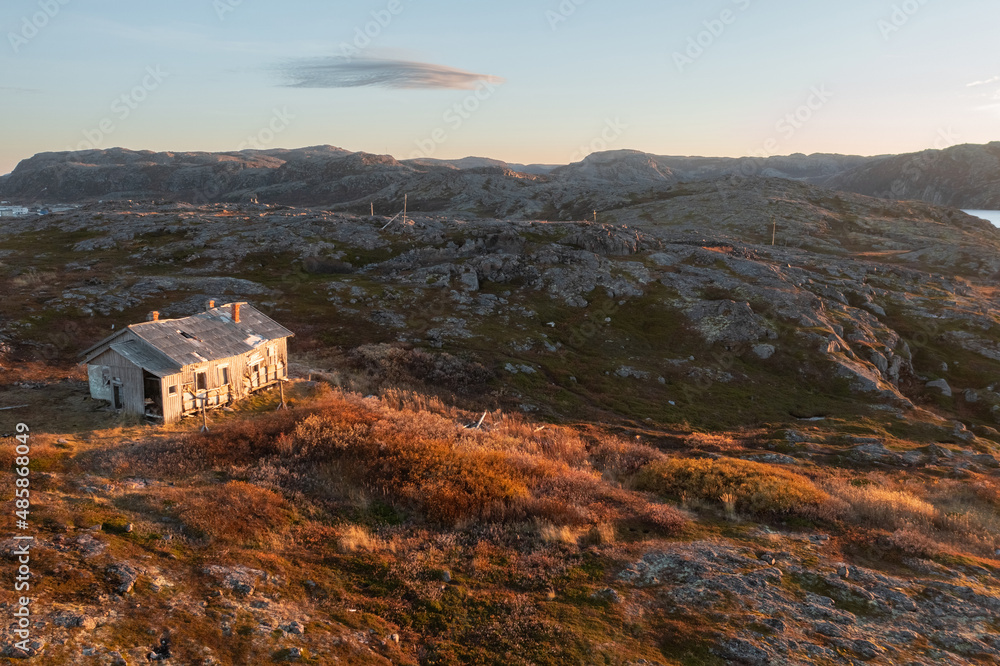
225,375
201,381
172,390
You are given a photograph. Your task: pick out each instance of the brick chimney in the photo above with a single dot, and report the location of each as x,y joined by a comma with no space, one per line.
236,312
153,316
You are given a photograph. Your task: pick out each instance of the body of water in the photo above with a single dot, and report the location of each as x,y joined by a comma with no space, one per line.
991,215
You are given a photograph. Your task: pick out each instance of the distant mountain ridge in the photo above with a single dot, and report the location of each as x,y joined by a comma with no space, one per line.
966,176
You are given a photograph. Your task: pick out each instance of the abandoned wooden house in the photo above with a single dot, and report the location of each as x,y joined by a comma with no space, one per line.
164,369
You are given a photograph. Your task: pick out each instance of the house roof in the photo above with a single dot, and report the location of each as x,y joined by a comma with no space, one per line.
165,346
146,357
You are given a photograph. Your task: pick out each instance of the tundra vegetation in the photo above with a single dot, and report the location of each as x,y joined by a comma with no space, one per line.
663,441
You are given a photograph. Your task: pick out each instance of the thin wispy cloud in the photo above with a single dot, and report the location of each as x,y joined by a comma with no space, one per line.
337,72
982,83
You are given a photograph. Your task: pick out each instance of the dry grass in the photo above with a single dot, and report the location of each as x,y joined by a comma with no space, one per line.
752,488
353,538
718,442
559,534
922,517
602,534
31,278
872,505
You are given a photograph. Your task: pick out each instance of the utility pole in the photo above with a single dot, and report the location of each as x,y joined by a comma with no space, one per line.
406,199
774,232
373,209
595,217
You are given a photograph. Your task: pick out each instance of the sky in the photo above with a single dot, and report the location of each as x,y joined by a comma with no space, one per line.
525,81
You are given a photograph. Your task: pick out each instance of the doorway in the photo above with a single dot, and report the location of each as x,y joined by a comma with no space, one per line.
152,395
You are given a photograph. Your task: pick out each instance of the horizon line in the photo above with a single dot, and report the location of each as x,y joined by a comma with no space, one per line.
466,157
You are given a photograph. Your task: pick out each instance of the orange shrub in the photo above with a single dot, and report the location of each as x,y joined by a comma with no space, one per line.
756,488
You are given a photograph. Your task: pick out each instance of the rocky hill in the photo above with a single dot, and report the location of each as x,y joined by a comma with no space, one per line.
737,421
963,176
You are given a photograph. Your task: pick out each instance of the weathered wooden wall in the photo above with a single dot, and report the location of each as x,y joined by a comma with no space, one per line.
127,375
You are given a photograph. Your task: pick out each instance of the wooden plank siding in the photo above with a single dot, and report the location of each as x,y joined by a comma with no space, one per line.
128,376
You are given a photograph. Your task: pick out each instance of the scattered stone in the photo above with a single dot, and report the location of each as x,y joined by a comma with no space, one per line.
866,649
936,451
294,627
986,460
941,385
829,629
795,437
240,580
122,577
89,546
626,372
764,352
772,458
872,453
607,594
743,652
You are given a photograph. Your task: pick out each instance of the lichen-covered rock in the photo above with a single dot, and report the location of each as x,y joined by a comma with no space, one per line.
729,321
123,577
240,580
